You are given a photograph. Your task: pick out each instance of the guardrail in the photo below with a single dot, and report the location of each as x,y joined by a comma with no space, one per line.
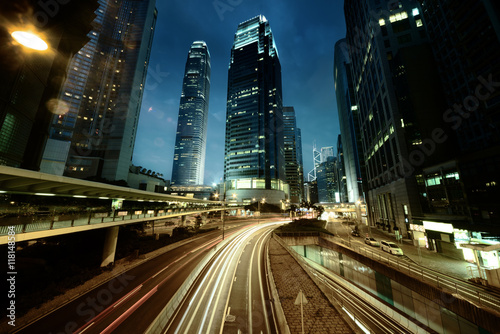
42,223
468,291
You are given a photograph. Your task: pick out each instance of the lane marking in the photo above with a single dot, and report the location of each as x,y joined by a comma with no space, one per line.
87,327
131,310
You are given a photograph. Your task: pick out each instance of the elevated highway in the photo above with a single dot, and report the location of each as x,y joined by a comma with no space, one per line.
143,206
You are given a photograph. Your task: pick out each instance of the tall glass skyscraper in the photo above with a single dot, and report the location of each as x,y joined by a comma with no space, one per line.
348,113
102,95
254,150
191,138
293,166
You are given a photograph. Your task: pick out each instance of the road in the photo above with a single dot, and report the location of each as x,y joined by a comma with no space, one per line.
119,305
231,295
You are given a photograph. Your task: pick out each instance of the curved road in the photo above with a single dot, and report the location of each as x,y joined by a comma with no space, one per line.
231,295
129,302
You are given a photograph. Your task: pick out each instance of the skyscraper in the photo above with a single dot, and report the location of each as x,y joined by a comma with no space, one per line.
400,103
466,45
103,109
347,107
31,79
294,176
254,151
327,180
191,138
326,152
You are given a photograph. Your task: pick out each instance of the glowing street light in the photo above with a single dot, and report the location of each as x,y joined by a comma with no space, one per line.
30,40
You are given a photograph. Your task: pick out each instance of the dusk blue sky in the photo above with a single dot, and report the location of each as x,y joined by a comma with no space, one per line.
305,34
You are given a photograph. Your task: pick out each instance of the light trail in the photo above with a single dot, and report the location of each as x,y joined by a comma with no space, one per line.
214,289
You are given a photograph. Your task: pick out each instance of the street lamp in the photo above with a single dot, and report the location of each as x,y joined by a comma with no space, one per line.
29,40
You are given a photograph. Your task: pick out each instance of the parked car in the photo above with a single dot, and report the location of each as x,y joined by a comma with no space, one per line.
372,242
355,233
391,247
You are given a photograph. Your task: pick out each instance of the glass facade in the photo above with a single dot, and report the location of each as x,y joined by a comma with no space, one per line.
191,138
293,167
399,103
103,92
254,149
327,180
348,111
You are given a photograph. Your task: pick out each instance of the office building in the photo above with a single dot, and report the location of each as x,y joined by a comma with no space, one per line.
294,177
327,180
353,157
465,39
400,104
191,136
254,150
341,174
327,152
31,78
103,94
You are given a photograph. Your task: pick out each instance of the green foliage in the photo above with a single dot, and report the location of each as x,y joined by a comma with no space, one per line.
304,225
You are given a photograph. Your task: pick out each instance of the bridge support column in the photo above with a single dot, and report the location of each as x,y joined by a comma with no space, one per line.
108,253
183,220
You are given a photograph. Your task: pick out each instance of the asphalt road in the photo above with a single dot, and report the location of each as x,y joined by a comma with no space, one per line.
131,301
231,295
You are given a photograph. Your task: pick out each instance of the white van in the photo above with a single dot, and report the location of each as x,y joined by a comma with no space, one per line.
391,247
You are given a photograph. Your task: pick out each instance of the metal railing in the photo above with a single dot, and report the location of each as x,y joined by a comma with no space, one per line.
50,222
468,291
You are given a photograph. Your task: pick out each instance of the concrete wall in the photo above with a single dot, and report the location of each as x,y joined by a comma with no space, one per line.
429,305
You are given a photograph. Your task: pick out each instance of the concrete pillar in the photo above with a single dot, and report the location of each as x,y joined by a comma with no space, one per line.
108,253
183,220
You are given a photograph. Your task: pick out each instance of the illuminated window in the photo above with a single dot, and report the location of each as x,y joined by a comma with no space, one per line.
415,11
381,22
419,22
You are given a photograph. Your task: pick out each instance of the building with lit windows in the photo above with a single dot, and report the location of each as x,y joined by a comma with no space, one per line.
254,158
94,132
400,105
191,137
30,84
293,168
467,186
327,181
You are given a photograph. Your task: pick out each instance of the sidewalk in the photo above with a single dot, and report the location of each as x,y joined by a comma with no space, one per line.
319,315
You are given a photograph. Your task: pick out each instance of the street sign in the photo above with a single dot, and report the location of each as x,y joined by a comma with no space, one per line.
301,300
300,295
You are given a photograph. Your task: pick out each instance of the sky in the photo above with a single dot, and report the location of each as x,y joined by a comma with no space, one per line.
305,34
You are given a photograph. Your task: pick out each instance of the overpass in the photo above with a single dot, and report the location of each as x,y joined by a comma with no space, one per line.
29,225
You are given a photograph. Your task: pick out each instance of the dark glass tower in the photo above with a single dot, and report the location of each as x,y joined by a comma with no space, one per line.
466,44
104,107
254,151
191,138
294,176
399,101
347,107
